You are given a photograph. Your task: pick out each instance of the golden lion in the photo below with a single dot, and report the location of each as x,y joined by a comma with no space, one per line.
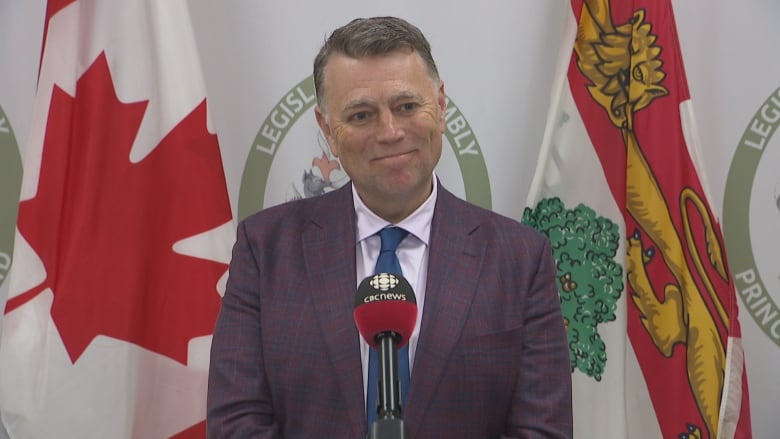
625,73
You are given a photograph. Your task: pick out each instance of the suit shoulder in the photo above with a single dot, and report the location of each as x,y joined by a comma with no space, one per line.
497,223
295,214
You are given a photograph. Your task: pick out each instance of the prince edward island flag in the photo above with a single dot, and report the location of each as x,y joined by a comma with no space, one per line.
648,300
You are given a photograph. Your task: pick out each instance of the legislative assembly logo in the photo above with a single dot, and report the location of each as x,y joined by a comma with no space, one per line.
290,159
10,182
752,218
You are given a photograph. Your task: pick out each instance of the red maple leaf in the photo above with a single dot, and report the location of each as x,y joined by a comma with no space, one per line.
104,227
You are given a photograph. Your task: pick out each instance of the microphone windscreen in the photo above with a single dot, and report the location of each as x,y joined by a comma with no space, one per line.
385,302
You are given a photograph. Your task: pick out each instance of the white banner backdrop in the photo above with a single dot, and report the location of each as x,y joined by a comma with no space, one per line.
497,60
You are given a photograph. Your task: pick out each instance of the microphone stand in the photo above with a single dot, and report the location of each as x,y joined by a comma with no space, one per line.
389,424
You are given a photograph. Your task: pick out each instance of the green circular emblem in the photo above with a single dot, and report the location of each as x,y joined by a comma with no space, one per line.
10,184
299,100
753,217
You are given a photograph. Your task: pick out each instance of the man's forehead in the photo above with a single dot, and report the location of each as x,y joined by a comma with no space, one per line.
360,89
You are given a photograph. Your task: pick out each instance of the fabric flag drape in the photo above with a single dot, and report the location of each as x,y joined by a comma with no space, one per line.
648,300
123,233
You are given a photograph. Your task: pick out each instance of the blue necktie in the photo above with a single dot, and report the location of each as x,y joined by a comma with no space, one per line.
387,262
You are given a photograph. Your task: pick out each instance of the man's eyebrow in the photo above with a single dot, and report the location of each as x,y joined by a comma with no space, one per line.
363,102
357,103
406,94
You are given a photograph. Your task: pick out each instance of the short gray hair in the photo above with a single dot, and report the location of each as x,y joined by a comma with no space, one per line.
367,37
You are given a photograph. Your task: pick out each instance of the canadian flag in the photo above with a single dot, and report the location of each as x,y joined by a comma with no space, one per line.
123,235
648,300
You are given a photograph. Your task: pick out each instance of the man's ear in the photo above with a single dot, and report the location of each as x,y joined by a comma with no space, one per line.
442,104
326,131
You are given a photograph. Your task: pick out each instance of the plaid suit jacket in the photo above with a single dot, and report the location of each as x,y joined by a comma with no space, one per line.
492,359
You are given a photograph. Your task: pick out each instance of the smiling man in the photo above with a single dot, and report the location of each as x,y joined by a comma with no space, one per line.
384,120
488,357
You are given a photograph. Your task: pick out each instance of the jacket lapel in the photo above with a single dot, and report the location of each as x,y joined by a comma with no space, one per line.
329,254
454,265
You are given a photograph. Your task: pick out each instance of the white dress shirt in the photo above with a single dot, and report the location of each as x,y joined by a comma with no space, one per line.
412,253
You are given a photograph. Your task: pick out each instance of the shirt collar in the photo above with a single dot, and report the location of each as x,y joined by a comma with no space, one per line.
418,223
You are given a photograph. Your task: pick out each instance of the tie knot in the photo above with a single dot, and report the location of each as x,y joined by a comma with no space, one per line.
391,237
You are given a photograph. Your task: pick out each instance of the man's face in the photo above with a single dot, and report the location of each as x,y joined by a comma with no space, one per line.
384,119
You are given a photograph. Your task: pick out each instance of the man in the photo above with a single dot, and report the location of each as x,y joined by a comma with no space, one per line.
489,357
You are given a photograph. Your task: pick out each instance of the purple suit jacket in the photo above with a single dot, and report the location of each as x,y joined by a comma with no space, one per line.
492,359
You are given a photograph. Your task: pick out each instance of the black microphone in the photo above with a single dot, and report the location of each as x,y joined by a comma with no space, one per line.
385,314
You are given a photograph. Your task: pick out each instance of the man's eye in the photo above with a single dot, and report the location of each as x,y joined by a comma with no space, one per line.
360,116
408,106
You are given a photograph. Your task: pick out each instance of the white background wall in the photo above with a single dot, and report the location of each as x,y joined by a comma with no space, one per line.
497,59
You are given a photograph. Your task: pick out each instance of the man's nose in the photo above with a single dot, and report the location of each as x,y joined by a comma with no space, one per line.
389,127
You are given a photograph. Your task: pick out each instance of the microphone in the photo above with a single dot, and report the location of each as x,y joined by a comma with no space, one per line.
385,314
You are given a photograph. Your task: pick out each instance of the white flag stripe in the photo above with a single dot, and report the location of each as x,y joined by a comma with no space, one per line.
731,402
58,58
28,270
560,83
692,142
